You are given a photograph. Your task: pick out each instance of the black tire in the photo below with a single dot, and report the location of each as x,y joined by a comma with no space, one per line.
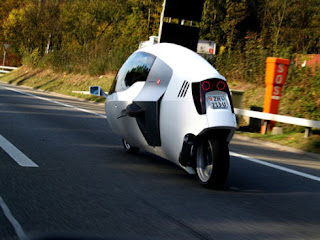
128,148
212,162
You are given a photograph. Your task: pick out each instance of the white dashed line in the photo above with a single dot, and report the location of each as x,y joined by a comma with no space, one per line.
16,154
56,102
301,174
15,224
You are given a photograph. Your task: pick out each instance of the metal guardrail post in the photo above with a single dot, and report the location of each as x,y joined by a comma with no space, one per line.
265,127
307,132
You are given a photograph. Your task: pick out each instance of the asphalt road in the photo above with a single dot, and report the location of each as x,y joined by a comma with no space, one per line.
86,185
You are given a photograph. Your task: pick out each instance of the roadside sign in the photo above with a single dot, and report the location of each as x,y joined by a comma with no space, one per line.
276,73
206,47
181,34
184,9
6,46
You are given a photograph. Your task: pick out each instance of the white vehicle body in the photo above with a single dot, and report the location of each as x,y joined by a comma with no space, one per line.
161,112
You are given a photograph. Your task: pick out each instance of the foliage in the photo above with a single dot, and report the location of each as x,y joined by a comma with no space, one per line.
87,36
96,36
302,88
278,24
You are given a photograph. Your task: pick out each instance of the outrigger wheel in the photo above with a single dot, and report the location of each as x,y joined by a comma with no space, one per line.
128,147
212,162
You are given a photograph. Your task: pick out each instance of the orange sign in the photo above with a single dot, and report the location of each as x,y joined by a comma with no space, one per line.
276,73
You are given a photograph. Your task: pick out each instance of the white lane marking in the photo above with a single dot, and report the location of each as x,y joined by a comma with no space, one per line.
56,102
301,174
15,224
16,154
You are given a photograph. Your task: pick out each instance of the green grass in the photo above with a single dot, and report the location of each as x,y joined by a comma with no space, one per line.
290,139
58,82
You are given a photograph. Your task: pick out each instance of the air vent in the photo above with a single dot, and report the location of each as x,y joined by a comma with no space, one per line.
184,89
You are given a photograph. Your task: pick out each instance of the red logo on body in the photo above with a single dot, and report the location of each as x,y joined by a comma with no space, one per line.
158,81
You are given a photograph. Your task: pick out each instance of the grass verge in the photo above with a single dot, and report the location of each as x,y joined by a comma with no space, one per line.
58,82
290,139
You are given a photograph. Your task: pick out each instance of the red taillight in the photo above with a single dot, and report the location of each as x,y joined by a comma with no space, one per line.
221,85
205,86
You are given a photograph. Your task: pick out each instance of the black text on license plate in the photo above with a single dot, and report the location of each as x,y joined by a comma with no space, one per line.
217,102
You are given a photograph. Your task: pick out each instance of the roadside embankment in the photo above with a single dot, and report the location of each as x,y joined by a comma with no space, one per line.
59,82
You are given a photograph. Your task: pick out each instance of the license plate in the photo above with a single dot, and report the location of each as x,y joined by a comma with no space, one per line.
217,102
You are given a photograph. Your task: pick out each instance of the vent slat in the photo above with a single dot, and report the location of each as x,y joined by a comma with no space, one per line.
184,89
181,89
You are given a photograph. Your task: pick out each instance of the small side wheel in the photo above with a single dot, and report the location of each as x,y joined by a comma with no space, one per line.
213,162
128,147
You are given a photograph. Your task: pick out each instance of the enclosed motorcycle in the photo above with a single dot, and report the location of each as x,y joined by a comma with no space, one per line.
169,101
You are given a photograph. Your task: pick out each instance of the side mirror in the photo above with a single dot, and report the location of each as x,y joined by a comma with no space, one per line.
133,110
97,91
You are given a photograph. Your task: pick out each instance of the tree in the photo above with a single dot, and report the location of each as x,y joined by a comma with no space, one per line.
236,11
214,13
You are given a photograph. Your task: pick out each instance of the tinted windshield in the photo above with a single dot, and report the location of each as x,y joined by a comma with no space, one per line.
135,69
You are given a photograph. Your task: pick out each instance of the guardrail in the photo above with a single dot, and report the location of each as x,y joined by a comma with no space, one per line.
267,117
5,69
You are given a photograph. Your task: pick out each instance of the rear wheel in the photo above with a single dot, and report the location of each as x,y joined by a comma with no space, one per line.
213,162
128,147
